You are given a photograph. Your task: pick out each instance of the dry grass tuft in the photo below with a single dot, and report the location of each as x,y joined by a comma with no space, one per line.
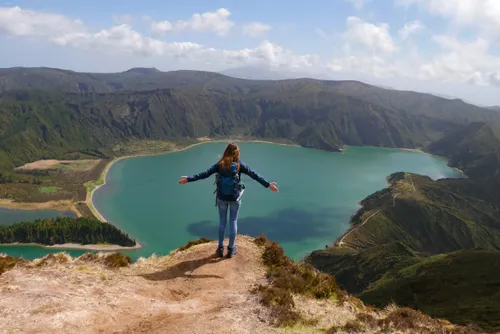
261,240
8,262
88,257
287,278
113,260
194,243
52,259
117,260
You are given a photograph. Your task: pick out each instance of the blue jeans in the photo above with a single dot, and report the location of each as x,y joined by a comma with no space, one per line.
234,209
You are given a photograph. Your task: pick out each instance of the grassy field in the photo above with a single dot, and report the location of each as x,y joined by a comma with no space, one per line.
50,189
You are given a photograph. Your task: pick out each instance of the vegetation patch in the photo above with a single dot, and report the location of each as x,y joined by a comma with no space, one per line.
112,260
287,278
50,189
117,260
9,262
194,243
89,257
402,320
63,230
53,258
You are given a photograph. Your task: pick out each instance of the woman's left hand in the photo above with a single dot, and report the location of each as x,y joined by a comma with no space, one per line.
273,187
183,180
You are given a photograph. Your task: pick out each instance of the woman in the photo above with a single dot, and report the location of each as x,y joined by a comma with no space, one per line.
229,190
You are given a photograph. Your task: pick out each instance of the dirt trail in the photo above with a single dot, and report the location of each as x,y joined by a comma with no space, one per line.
341,242
187,292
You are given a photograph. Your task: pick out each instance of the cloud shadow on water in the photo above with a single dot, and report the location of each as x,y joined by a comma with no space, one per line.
288,225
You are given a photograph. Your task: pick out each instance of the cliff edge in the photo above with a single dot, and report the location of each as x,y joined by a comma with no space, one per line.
190,291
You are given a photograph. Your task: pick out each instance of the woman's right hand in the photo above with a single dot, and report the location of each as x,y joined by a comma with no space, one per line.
273,187
183,180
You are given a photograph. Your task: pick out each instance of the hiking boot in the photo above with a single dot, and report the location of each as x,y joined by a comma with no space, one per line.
219,252
232,251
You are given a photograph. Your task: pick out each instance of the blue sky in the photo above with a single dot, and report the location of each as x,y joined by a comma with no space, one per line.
447,47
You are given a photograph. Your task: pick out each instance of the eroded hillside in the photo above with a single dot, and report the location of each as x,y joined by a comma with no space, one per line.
189,291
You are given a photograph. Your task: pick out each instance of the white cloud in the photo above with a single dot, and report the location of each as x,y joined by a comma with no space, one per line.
255,29
160,27
410,28
457,61
15,21
468,62
272,55
216,22
375,37
123,39
481,13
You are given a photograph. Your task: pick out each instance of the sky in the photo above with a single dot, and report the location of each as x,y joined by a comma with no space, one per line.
446,47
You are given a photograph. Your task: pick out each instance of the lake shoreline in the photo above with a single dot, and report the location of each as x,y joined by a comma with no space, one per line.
74,246
69,205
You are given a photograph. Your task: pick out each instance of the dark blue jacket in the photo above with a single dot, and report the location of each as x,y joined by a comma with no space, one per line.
243,169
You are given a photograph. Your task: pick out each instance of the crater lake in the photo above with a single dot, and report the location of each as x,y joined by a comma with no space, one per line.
318,193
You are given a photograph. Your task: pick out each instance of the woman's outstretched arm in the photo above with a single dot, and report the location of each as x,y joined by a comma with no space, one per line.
200,176
248,171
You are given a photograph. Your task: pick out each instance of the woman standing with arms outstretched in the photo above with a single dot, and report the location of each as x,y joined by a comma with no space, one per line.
229,191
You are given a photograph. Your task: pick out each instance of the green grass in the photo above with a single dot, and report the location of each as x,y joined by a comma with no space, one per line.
462,287
76,165
50,189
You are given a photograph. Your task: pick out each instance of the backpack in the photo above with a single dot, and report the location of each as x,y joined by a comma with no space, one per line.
228,181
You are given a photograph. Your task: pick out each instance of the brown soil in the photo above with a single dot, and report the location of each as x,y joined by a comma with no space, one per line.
187,292
51,163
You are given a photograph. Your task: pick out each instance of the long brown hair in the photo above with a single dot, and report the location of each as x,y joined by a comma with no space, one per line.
231,154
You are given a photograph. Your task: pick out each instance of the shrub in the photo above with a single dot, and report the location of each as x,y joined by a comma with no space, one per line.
194,243
9,262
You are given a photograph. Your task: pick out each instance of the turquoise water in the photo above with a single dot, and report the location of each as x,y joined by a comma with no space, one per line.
319,191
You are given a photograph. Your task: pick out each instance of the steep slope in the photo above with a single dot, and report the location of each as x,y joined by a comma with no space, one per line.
431,217
147,80
355,269
38,124
474,148
50,113
459,286
189,292
431,245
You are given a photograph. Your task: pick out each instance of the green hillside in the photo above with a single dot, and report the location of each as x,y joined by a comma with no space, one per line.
431,245
52,113
475,149
460,286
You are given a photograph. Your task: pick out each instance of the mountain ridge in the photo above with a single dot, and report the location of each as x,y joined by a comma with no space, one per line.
417,232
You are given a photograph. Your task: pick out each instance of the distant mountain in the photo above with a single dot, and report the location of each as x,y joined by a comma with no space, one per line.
48,112
143,70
